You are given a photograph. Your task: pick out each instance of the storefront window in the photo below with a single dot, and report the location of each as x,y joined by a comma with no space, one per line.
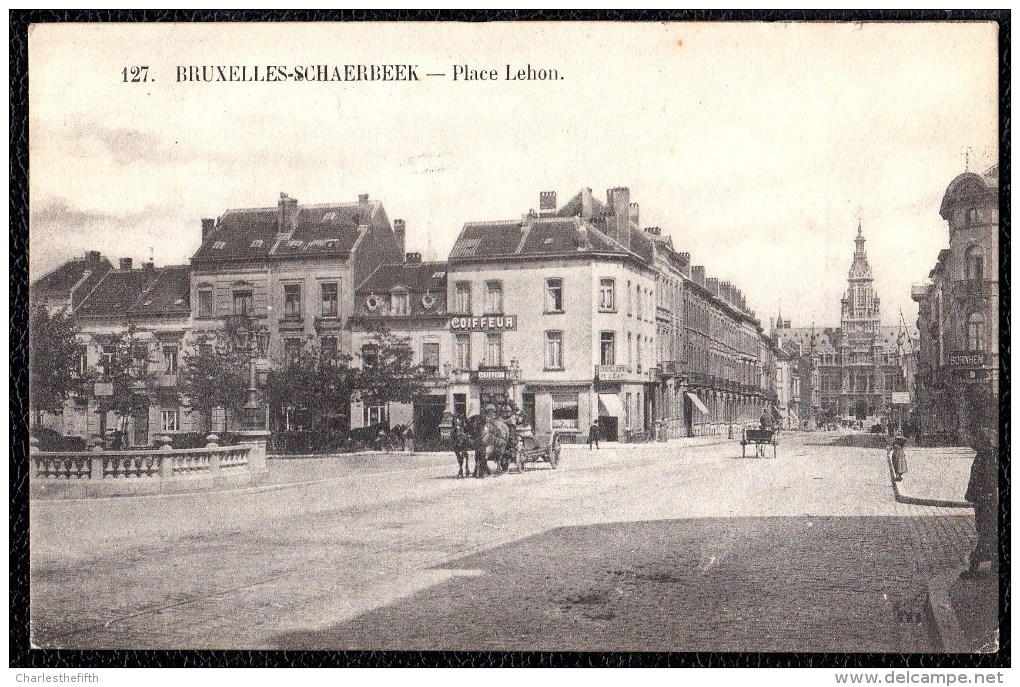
564,411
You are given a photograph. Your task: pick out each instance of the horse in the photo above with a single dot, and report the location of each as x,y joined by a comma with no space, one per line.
492,440
461,442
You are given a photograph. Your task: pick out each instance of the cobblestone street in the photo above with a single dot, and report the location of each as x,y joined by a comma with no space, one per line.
656,547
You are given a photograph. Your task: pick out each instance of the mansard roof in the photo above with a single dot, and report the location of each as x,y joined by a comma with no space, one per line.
421,277
146,292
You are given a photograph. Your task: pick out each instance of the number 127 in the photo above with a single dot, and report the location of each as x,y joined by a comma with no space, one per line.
135,74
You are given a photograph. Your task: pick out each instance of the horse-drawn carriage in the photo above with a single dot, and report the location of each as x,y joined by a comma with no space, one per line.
502,441
760,437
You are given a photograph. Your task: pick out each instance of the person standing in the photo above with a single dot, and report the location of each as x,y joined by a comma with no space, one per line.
899,458
593,435
983,492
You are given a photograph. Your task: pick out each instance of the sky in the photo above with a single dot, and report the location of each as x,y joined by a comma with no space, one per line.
757,147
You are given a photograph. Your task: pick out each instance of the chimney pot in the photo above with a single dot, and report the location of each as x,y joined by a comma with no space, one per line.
287,217
413,258
547,203
92,257
586,204
125,263
635,215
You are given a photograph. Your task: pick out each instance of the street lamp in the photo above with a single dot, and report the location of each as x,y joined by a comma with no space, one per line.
255,341
446,422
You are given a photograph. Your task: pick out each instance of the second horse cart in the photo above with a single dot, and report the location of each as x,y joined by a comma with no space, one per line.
760,439
534,448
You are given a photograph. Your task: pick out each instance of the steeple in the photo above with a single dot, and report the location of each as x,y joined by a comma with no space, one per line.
860,269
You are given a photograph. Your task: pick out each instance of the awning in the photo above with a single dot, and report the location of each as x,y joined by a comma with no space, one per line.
609,404
697,403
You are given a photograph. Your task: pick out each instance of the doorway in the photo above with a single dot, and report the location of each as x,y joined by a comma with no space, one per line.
428,414
609,428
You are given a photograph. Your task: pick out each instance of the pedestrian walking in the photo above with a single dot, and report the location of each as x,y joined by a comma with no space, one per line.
899,458
593,434
983,492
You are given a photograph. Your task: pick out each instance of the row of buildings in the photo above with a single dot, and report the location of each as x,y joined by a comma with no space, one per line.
958,372
574,313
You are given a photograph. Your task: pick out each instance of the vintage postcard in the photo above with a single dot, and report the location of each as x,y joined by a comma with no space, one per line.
528,336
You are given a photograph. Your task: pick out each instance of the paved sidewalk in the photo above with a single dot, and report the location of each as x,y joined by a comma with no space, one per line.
965,613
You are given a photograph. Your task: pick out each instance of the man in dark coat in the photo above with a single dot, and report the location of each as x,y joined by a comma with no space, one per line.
983,492
593,434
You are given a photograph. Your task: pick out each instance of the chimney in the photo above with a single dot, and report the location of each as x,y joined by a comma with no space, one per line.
207,228
726,290
363,210
287,217
149,270
586,204
698,274
413,258
125,263
634,216
547,203
712,284
92,257
400,234
619,224
685,258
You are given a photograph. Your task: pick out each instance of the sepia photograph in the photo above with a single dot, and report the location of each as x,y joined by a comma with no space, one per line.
525,336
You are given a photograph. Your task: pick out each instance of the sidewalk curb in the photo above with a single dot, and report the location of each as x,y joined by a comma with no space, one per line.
915,501
948,635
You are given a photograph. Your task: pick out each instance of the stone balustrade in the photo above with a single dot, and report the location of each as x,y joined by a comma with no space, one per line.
147,470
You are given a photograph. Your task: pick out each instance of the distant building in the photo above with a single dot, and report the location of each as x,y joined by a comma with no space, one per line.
852,371
958,315
68,285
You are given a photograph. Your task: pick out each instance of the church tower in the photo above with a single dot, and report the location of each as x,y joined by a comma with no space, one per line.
859,345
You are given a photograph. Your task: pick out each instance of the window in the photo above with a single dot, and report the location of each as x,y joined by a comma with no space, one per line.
554,295
291,350
170,358
493,350
430,354
368,355
330,300
257,243
374,415
244,302
975,263
170,420
564,411
399,303
81,361
637,292
971,216
976,332
462,297
328,348
554,350
639,347
630,351
629,408
607,295
493,298
205,303
607,348
219,245
463,361
292,301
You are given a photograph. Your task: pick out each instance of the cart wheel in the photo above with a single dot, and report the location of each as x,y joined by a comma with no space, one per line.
554,452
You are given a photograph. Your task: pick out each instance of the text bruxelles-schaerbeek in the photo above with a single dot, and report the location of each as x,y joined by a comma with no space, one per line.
355,72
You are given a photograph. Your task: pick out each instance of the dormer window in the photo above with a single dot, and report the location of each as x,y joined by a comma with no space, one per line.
399,303
329,217
219,245
257,243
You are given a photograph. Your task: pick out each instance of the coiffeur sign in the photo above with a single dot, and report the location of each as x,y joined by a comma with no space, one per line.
489,323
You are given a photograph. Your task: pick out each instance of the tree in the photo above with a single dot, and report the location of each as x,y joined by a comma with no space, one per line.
54,372
388,372
124,368
214,375
317,385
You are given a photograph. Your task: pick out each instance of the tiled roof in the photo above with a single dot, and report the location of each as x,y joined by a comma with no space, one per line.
60,281
169,294
827,342
140,292
330,229
416,277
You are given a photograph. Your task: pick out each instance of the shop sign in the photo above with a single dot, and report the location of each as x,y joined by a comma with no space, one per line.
611,373
968,359
104,389
901,398
493,374
488,323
